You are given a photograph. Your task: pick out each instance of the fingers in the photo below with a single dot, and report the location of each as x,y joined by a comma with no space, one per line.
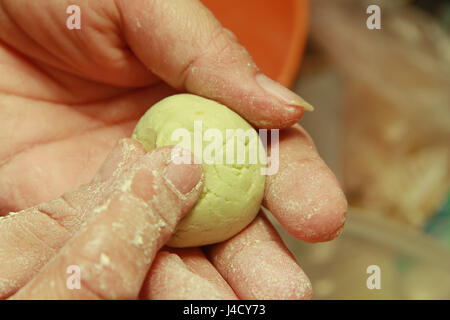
184,274
257,265
304,195
120,159
116,246
29,238
181,42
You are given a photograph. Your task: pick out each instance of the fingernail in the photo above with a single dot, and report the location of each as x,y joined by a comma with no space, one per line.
184,177
286,95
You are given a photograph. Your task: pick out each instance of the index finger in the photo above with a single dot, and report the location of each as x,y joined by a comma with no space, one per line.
185,45
115,248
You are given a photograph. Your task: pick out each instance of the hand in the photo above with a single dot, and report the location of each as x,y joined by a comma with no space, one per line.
67,96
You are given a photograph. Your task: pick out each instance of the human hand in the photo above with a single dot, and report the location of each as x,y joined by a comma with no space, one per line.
130,209
68,95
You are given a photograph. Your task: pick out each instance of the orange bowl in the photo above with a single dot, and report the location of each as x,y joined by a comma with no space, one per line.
273,31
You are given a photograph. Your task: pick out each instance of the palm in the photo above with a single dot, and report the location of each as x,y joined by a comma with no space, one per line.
60,129
62,145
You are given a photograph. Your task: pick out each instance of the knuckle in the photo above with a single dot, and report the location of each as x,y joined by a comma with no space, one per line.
221,50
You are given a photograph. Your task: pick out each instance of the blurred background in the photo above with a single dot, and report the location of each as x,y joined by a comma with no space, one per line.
382,123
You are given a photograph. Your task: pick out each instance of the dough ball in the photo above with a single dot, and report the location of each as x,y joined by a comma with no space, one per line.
233,190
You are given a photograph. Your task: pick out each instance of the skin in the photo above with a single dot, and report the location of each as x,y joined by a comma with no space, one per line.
68,96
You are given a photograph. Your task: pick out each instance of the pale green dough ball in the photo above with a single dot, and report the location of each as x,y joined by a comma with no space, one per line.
233,192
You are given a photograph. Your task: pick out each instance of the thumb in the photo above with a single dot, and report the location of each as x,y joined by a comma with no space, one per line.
114,249
182,42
